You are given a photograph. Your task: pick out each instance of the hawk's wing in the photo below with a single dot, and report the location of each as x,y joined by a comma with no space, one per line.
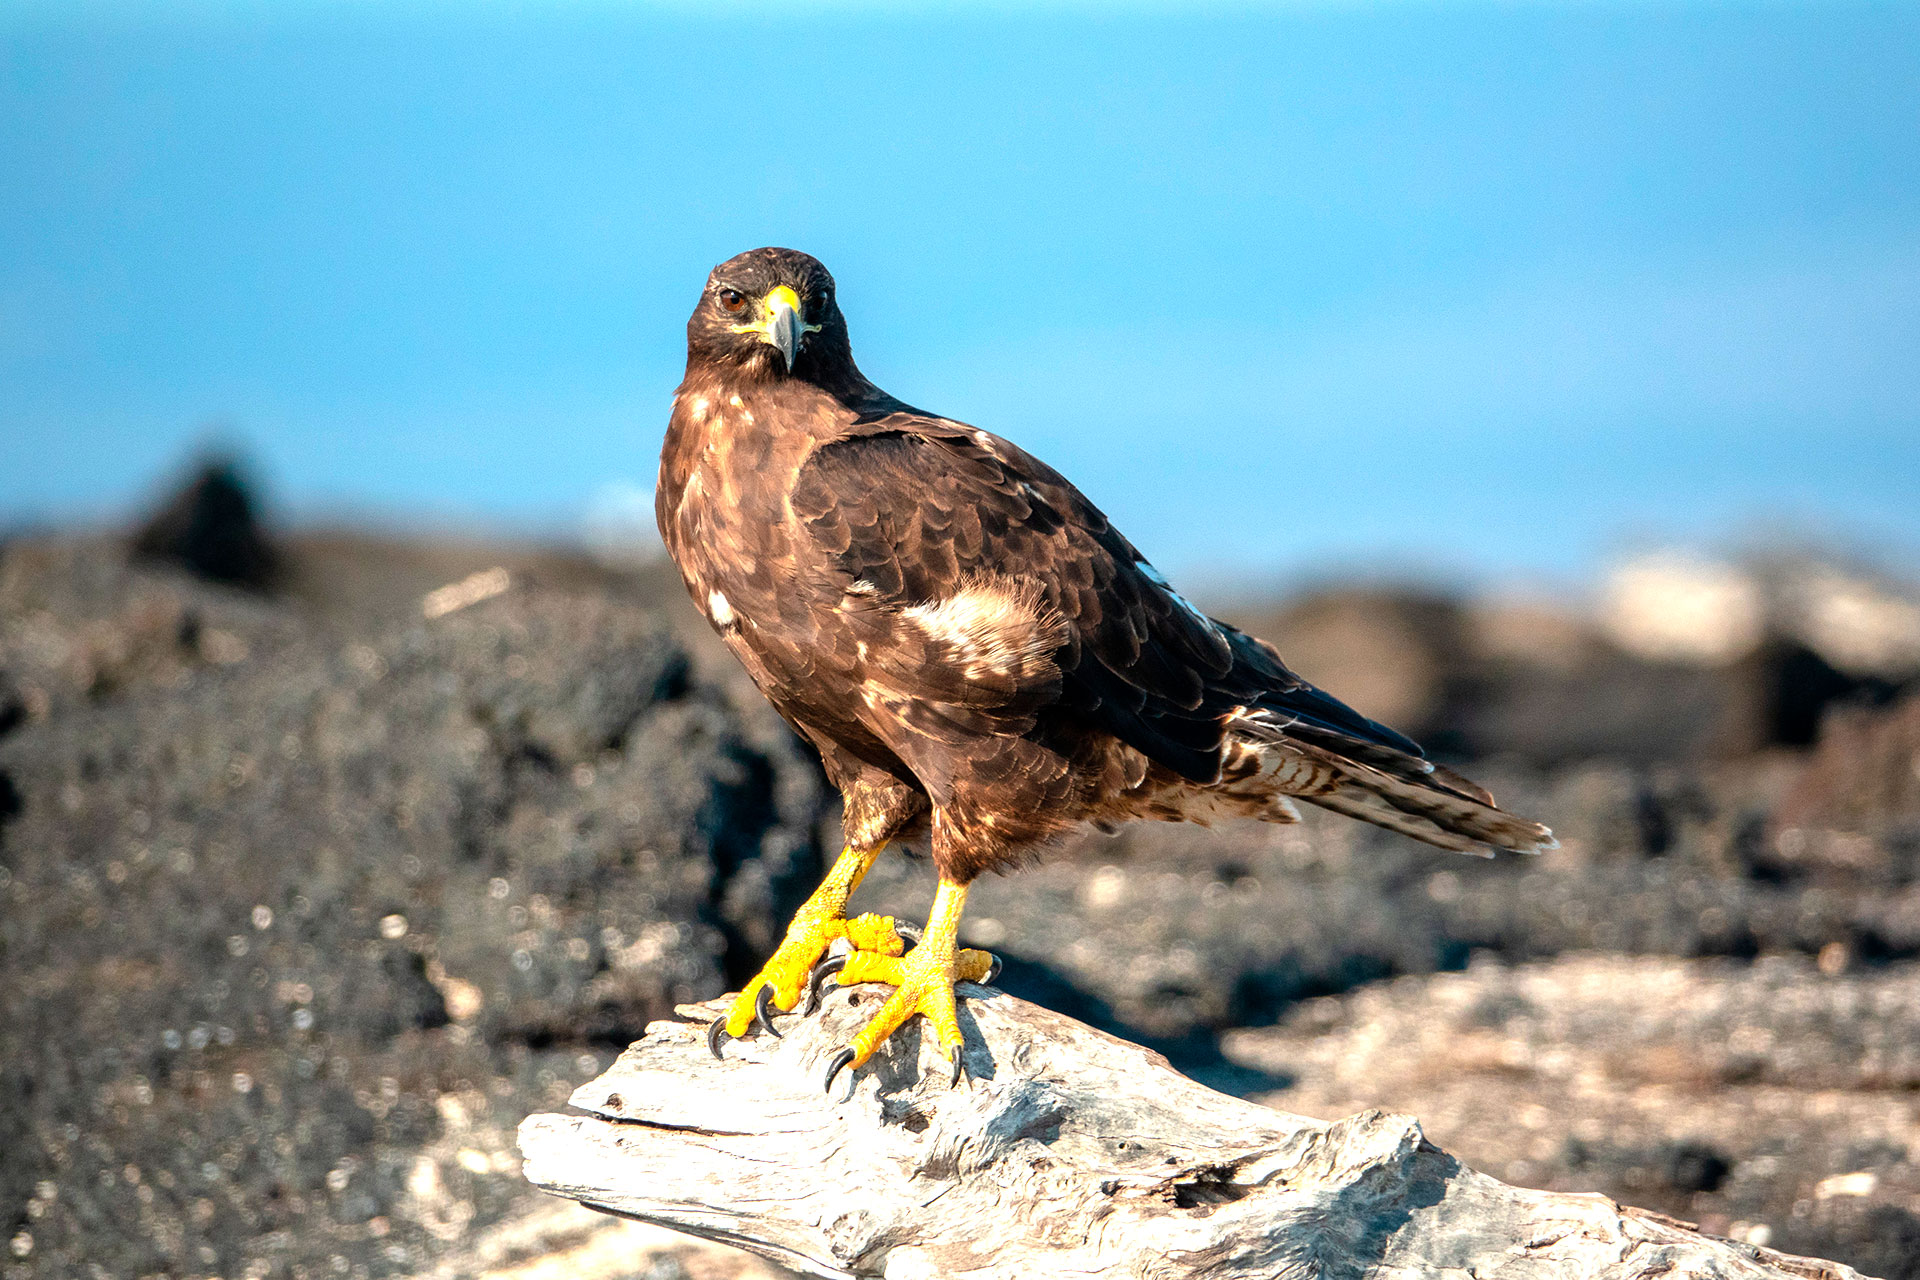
915,507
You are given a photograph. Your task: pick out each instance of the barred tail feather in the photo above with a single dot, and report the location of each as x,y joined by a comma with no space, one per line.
1373,780
1427,802
1356,802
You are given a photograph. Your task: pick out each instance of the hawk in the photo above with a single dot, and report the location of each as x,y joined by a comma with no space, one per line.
981,659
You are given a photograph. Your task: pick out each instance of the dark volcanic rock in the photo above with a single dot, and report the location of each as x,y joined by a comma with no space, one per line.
1478,678
80,624
1398,654
1484,678
305,900
13,706
210,527
293,939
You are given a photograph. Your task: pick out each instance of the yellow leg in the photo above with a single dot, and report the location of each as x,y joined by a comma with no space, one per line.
818,922
923,983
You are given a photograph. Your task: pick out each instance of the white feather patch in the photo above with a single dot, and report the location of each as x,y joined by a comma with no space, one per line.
996,626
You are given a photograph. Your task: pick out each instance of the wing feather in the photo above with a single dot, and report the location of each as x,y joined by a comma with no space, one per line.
914,505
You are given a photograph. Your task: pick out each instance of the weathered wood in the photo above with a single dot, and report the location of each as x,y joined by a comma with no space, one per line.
1071,1153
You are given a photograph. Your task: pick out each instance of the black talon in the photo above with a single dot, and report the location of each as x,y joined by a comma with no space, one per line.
993,971
717,1036
959,1067
763,1011
818,980
841,1059
908,930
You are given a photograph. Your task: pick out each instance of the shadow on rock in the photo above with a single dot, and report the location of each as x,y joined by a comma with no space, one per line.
1196,1054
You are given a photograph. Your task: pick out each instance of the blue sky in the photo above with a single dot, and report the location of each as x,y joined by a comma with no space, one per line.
1462,289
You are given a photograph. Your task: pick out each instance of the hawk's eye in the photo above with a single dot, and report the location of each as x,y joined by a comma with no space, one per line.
732,299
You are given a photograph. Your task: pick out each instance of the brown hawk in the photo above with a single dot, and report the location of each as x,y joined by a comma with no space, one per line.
980,658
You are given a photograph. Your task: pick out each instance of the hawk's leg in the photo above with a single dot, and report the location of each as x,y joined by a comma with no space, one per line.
814,927
922,981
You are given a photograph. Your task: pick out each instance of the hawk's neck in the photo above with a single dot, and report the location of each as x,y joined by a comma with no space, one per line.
735,444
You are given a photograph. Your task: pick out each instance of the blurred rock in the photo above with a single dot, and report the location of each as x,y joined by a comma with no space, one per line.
13,706
1394,653
210,528
1171,935
296,933
1863,777
1793,633
554,1239
80,624
1768,1101
1672,605
306,898
1591,701
1686,660
1473,679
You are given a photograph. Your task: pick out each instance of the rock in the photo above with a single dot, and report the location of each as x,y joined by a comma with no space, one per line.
1605,705
13,706
80,624
554,1240
1549,685
210,528
1863,777
1491,678
1393,653
1723,1092
486,847
1171,935
294,939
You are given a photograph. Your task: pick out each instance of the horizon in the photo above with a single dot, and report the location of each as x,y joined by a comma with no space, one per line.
1464,292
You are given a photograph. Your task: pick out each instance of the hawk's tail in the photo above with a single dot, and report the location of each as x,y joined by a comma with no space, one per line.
1401,792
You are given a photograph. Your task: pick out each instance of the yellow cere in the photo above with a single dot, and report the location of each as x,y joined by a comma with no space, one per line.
770,304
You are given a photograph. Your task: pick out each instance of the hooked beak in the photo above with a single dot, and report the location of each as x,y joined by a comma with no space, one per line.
783,329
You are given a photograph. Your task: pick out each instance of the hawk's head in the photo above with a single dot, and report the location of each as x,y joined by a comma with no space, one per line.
771,314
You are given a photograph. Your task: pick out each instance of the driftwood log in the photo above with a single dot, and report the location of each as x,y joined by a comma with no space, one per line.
1070,1153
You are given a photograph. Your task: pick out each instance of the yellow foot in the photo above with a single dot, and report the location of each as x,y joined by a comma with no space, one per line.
778,985
923,984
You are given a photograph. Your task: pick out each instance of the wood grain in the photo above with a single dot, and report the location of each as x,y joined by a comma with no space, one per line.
1071,1153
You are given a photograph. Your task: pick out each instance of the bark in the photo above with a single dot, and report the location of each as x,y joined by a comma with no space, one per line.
1069,1153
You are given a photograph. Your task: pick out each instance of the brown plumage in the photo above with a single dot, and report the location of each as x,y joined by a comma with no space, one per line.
975,651
967,640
